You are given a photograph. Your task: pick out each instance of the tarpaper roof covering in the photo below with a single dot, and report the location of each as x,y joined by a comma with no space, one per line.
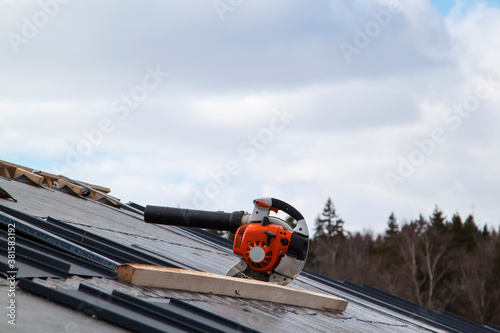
67,247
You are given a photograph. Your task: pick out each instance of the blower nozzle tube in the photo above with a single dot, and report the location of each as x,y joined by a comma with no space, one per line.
193,218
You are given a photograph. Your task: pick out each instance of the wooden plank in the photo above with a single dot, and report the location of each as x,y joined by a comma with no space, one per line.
100,197
49,179
4,172
69,187
8,164
105,198
98,188
180,279
30,175
50,182
6,169
51,176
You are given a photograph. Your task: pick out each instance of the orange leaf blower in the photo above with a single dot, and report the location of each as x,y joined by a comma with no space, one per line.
269,248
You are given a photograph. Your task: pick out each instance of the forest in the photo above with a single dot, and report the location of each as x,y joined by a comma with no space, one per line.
435,261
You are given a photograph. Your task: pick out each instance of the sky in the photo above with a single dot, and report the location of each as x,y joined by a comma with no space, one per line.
382,105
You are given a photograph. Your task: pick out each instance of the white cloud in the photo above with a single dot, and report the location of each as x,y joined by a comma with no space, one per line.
352,121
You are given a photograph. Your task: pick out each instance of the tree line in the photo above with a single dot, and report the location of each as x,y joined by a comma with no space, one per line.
434,261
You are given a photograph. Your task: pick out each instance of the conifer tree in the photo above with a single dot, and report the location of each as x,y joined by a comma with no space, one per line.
456,223
469,233
456,229
328,217
485,233
320,228
327,225
437,220
339,228
392,226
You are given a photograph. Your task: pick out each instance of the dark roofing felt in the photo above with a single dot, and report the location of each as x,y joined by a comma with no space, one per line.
120,235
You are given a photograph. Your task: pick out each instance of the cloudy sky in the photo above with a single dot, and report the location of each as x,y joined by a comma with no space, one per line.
382,105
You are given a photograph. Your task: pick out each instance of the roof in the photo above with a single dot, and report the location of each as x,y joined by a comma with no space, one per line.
67,247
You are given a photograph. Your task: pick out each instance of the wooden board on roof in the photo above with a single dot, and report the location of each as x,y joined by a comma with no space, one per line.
181,279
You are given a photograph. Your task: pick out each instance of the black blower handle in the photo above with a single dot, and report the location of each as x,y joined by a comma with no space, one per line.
193,218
